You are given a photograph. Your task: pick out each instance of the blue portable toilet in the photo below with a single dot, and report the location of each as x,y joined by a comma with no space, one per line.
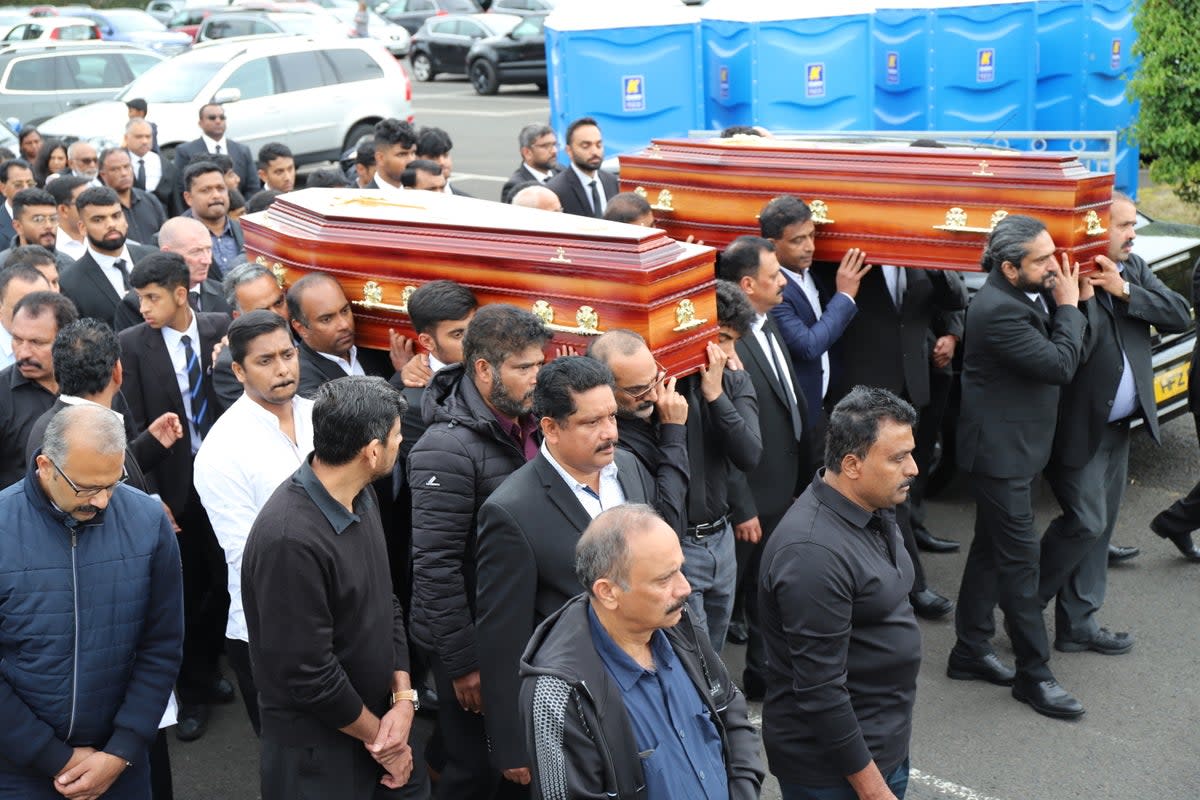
787,65
633,65
900,53
1108,66
1061,63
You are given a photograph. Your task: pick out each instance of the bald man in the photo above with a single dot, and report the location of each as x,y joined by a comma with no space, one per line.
189,238
150,170
537,196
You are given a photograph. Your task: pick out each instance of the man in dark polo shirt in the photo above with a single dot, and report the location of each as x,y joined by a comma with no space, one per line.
842,640
327,639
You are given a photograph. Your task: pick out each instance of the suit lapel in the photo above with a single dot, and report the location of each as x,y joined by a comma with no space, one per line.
100,282
585,202
158,360
560,494
763,362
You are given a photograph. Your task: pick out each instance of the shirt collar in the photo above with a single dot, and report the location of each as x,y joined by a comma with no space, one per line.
759,321
519,429
107,261
334,512
347,362
608,471
583,178
210,144
624,670
434,363
173,337
72,400
1034,297
843,506
539,174
385,184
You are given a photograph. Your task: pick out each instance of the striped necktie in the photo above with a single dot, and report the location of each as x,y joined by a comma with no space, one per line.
199,402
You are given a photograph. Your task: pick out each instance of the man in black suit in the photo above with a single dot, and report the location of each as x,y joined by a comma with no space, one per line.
434,144
1088,467
424,175
167,363
277,167
15,175
143,211
584,188
539,158
247,287
759,498
213,141
98,280
152,172
395,148
1020,351
525,556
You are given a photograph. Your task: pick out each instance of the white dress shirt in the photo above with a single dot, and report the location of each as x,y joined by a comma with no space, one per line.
897,283
805,281
587,188
72,400
6,352
111,272
212,144
153,168
611,493
539,176
174,342
243,460
434,364
351,367
760,320
386,186
75,248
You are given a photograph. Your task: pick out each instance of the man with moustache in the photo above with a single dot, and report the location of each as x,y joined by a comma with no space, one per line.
528,528
15,175
81,160
843,642
16,281
207,199
275,424
98,280
35,222
637,696
395,148
152,172
539,159
584,188
481,431
190,239
28,387
144,214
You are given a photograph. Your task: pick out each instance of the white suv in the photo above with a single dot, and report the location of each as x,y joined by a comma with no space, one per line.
317,95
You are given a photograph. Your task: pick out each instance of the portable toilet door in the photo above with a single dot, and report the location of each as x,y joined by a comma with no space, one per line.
1109,64
900,52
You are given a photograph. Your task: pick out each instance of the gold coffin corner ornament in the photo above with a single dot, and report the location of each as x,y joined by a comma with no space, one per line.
560,256
982,172
373,298
641,192
1094,228
587,321
820,212
685,315
665,201
956,221
276,268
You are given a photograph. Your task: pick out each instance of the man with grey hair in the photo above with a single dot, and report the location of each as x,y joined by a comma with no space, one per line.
661,710
534,195
90,573
246,287
843,646
539,159
189,238
82,161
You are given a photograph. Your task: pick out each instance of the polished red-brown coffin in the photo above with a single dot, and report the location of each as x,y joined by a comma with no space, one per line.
583,276
909,206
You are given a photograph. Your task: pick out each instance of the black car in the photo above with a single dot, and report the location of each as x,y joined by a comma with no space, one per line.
413,13
442,43
518,56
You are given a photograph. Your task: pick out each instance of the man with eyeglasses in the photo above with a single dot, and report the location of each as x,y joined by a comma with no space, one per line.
35,221
691,434
82,161
214,142
539,159
29,386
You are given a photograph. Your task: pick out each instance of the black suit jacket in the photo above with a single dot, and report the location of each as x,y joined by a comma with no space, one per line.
767,491
6,227
128,313
316,370
520,175
1113,326
575,198
152,390
169,190
1016,358
243,162
91,292
889,348
525,570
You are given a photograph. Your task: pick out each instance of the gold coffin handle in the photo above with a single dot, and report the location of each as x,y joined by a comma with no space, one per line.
587,320
685,315
665,201
372,299
820,212
276,268
1094,226
956,222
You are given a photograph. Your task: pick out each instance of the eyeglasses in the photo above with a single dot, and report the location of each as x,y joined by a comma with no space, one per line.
89,492
83,160
42,219
638,392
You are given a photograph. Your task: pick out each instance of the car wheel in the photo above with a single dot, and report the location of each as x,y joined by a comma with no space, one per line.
422,67
483,77
357,132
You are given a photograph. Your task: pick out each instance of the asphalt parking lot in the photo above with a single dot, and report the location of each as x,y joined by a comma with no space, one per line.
970,741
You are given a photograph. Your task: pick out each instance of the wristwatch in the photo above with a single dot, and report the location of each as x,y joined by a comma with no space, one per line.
407,694
1125,290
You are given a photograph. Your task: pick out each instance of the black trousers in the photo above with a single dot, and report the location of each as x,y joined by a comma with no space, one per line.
929,425
205,603
756,646
1003,568
161,787
238,653
1183,516
337,766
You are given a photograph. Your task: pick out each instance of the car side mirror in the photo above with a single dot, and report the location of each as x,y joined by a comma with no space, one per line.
229,94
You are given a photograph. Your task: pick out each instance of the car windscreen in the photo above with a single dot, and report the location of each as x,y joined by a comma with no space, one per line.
306,24
134,22
176,80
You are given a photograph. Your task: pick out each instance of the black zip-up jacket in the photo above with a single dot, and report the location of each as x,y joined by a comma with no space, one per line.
579,736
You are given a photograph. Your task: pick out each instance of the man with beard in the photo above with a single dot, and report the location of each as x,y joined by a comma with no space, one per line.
190,239
1020,350
207,199
28,387
539,159
275,424
482,430
395,148
15,175
144,214
35,222
81,160
98,280
16,281
528,528
584,189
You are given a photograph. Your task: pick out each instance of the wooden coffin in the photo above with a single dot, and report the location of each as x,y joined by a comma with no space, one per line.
903,205
582,276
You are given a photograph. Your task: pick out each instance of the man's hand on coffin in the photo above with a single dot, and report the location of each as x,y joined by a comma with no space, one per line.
943,350
564,350
417,372
218,347
166,429
748,531
710,376
671,405
1066,286
400,349
519,775
1106,277
851,271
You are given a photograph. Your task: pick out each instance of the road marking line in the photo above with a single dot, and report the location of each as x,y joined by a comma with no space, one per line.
535,113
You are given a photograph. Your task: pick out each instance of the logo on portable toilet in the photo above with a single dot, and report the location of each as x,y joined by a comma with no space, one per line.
985,65
723,79
633,93
893,67
814,80
1115,61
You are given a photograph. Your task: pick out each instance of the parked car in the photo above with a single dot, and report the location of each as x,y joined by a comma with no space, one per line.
522,7
41,79
164,10
10,16
395,38
442,43
55,29
229,24
318,95
137,27
518,56
413,13
188,20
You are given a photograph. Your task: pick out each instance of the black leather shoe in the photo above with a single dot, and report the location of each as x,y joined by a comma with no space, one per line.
1119,552
930,605
192,723
1182,541
1048,698
984,668
753,686
737,633
1104,642
221,691
932,544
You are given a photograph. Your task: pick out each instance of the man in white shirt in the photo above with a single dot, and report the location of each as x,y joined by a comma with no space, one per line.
274,424
150,171
539,158
82,159
585,188
395,148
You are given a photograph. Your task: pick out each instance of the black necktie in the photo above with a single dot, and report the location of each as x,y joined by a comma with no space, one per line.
784,378
596,210
139,180
199,402
218,150
194,301
120,265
